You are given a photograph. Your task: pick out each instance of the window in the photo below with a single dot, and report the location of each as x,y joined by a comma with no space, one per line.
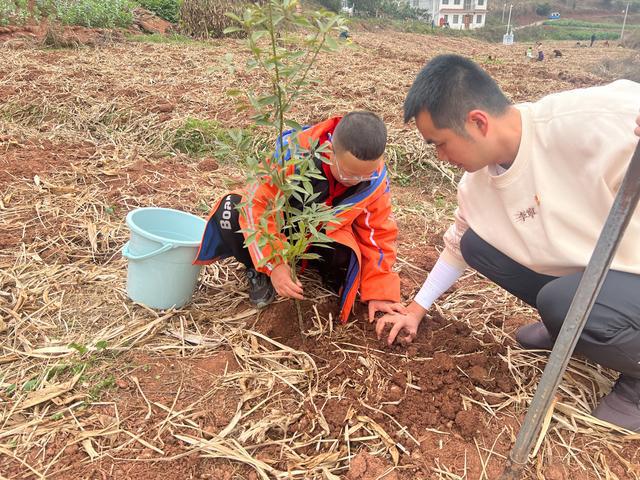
456,2
479,19
415,3
446,19
445,2
480,3
455,19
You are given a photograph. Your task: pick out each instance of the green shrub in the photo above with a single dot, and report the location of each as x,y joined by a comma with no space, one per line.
543,9
88,13
588,25
333,5
160,38
94,13
167,9
536,33
13,12
198,137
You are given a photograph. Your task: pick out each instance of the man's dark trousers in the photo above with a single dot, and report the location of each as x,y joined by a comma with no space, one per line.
611,336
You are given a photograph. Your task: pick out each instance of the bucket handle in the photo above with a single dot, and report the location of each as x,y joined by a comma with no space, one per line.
127,254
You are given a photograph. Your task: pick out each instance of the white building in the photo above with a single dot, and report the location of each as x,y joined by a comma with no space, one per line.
459,14
346,8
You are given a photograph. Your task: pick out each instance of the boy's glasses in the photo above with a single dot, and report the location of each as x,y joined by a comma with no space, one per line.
342,174
348,177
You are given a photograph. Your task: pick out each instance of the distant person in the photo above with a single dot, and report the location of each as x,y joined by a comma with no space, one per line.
539,181
344,34
540,54
593,39
529,53
606,43
557,53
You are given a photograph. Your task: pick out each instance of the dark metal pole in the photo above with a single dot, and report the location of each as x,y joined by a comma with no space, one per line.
620,214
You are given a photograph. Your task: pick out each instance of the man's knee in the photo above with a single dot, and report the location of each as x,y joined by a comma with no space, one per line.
472,247
553,304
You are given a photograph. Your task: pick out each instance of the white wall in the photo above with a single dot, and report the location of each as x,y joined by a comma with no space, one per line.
454,7
454,10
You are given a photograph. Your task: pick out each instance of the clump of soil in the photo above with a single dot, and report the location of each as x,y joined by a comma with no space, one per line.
365,467
424,384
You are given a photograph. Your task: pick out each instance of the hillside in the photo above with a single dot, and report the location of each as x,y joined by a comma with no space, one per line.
524,11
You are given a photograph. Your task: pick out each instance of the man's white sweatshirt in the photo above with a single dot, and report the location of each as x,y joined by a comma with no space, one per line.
548,209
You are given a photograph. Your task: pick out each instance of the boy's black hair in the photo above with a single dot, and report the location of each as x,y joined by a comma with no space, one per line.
361,133
448,88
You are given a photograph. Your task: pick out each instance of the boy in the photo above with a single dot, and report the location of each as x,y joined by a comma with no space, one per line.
364,248
540,181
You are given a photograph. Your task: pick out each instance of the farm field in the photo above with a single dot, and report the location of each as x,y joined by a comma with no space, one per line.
94,386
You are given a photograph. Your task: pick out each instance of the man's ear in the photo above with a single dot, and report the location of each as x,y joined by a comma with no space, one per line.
478,120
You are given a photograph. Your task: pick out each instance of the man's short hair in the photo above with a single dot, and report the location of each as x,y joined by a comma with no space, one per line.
448,88
361,133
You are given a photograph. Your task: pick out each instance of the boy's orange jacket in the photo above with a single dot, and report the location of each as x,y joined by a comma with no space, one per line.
366,226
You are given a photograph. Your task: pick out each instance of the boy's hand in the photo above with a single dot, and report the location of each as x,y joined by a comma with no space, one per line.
284,285
386,306
637,130
408,322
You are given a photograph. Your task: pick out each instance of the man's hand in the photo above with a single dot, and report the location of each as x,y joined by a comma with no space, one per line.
637,130
408,322
386,306
284,285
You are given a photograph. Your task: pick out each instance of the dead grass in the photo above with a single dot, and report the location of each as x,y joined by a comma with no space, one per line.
62,279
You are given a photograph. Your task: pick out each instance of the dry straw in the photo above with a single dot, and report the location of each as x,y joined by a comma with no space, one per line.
207,18
87,136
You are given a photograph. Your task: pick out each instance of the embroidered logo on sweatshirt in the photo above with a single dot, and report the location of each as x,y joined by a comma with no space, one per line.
523,215
530,212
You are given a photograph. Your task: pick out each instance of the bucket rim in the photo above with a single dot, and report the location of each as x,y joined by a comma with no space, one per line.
180,243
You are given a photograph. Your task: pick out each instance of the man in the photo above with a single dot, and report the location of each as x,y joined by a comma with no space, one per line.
351,174
540,181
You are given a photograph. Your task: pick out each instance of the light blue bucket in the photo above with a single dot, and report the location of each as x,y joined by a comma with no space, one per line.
161,250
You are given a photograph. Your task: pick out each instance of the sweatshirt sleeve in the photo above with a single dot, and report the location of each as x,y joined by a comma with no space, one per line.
452,254
443,275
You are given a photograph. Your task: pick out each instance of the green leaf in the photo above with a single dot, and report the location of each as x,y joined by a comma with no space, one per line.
293,124
81,349
309,256
229,30
233,16
258,34
331,44
30,385
269,100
